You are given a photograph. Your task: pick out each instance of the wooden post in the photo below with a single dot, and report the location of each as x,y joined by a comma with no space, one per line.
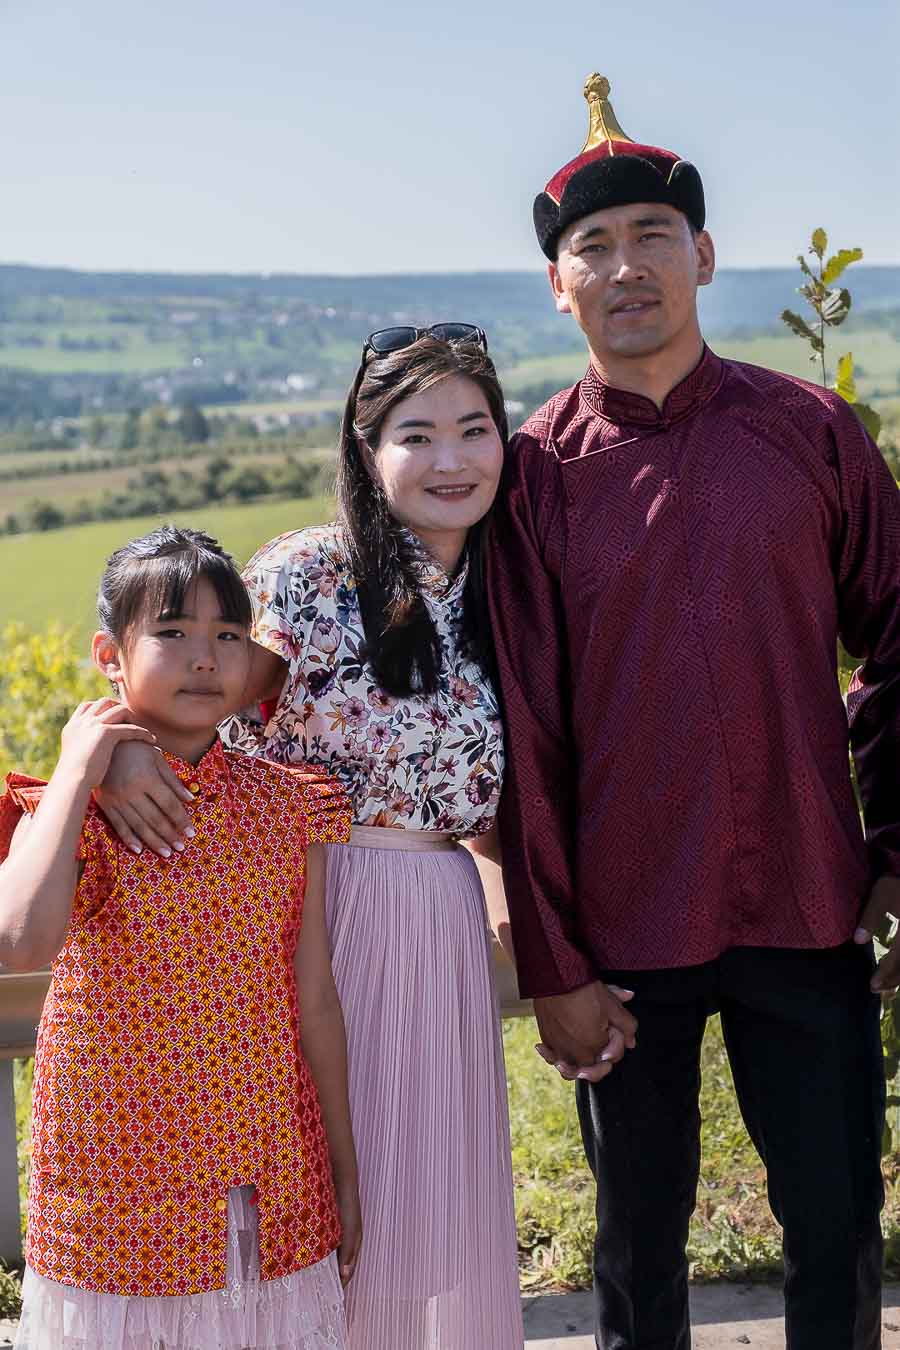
10,1230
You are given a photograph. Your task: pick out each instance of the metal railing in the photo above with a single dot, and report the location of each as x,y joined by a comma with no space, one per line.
21,1000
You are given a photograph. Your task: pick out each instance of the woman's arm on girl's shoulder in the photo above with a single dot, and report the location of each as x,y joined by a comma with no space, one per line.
485,849
39,877
143,799
324,1047
268,672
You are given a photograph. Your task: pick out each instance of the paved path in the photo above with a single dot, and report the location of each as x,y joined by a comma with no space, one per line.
724,1315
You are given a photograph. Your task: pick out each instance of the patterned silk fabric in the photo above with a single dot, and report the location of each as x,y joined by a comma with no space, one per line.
411,763
168,1067
668,588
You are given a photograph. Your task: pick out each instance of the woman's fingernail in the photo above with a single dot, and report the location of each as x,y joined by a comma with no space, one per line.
178,845
136,848
165,853
190,832
861,935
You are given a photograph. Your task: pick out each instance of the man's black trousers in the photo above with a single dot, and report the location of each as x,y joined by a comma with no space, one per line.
801,1030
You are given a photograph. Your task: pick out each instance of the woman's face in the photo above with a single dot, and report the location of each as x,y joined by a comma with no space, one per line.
439,460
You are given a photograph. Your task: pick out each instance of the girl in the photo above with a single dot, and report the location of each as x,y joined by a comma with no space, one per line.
373,638
182,1196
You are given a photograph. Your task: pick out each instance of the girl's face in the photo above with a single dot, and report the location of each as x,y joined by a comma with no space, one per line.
439,459
180,676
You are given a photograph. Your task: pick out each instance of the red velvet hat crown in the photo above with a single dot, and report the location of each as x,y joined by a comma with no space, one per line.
613,170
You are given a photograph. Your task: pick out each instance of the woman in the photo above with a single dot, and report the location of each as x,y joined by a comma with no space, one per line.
373,640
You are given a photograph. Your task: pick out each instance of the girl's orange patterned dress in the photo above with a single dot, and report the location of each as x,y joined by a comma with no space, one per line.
168,1066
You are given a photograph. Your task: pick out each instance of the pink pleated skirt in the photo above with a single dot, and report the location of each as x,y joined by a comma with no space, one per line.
412,962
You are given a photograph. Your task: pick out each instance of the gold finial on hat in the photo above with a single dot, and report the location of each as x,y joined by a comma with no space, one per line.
604,125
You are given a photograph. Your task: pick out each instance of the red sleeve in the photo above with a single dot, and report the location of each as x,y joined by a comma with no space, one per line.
326,806
21,798
869,616
538,805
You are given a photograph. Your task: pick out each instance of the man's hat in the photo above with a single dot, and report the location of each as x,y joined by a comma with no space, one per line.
613,170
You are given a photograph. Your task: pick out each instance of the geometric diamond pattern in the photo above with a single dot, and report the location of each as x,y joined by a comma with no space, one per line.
168,1066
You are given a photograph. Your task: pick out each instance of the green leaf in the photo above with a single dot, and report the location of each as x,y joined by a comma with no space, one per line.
838,262
819,243
845,385
835,307
869,418
799,326
804,266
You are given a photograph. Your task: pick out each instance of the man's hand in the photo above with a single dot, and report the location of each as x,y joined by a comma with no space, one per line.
884,899
142,799
586,1032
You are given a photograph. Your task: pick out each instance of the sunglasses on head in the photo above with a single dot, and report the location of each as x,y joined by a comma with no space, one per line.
386,340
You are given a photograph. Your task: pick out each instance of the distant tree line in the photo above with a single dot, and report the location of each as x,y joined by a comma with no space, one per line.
154,492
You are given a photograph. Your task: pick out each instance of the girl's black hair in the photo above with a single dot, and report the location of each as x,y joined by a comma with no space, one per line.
402,644
153,575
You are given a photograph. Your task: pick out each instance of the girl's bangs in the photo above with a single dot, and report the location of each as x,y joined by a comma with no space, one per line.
163,587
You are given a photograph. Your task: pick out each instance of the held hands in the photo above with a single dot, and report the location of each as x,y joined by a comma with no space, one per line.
586,1032
351,1231
142,799
884,900
91,735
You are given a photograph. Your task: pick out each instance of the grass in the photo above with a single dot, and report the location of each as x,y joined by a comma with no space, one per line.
54,575
733,1234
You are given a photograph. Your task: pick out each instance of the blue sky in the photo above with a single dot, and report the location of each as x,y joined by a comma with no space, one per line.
353,137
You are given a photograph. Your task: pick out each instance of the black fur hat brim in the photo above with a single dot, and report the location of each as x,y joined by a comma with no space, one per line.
618,180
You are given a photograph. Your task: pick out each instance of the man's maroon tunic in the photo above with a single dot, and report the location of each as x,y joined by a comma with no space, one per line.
668,588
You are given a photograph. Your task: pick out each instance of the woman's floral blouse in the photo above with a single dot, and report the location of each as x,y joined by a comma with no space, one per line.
413,763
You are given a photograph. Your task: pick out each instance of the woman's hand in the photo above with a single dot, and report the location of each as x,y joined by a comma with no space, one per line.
91,736
351,1236
584,1033
142,799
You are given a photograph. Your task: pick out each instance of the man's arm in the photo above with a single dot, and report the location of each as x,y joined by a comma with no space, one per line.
869,619
538,820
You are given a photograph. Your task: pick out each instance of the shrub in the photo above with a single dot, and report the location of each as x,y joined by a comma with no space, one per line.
42,679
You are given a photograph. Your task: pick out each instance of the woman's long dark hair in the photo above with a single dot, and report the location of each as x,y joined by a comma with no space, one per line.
402,644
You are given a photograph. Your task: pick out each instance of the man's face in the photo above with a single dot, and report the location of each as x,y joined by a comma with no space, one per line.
629,275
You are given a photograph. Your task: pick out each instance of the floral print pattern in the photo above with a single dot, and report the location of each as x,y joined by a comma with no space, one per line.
417,763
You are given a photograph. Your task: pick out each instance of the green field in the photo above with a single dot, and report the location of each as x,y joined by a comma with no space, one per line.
138,355
54,575
65,488
876,353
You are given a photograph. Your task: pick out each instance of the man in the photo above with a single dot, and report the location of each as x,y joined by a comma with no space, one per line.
681,543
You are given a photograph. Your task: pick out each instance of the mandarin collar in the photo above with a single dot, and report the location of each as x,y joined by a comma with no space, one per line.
436,584
621,405
206,778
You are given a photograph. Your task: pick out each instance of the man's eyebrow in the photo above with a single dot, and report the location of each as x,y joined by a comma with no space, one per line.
640,223
581,235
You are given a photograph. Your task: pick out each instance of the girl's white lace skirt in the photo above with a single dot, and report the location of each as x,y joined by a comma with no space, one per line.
303,1311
